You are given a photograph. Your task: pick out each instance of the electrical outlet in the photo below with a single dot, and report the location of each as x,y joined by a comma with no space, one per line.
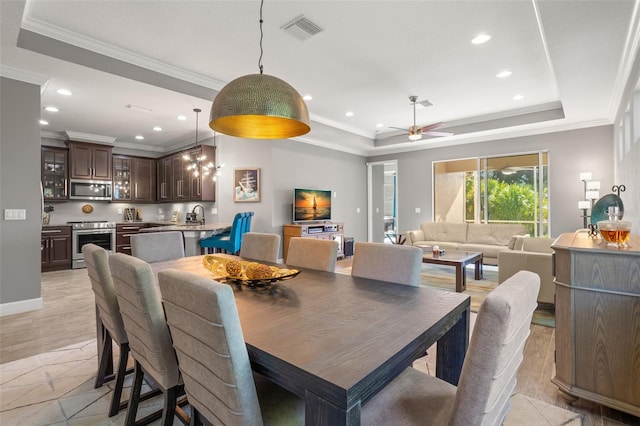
119,211
358,210
335,194
214,210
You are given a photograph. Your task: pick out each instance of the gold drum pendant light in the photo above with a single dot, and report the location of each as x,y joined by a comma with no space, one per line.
259,106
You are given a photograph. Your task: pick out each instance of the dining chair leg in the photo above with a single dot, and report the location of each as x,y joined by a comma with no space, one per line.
116,405
134,398
169,411
105,364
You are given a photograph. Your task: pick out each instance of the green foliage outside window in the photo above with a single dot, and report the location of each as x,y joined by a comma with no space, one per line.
510,198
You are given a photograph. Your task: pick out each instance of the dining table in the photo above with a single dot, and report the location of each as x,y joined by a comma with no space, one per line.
336,340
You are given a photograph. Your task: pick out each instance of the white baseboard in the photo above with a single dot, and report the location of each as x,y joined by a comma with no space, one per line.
13,308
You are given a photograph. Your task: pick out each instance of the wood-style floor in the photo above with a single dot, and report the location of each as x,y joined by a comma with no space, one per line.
68,317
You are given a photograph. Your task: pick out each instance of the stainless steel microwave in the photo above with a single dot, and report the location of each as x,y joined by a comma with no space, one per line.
80,189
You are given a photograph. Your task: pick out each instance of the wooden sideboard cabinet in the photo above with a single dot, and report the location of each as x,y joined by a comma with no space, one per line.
325,231
55,248
598,321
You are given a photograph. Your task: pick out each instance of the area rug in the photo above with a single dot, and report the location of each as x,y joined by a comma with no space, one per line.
443,278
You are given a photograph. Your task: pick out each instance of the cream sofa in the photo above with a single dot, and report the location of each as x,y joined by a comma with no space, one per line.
489,239
530,254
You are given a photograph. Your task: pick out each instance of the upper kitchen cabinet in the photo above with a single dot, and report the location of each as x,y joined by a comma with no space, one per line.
144,180
134,179
165,179
90,161
203,188
176,183
54,173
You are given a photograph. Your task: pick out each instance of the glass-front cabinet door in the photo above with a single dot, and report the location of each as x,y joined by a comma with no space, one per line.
121,179
54,174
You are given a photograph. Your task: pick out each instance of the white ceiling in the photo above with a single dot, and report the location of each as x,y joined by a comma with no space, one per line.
569,59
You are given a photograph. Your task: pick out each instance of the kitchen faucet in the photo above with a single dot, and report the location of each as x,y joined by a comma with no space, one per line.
201,222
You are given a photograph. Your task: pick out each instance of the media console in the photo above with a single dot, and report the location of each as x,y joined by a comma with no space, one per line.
323,230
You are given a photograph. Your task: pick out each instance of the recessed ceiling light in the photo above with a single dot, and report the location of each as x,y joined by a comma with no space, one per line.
307,97
52,109
64,92
139,137
481,38
157,128
44,122
503,74
349,114
182,117
379,125
518,97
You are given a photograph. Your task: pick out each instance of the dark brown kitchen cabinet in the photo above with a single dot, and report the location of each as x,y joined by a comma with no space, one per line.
202,188
55,248
134,179
54,173
144,180
165,176
180,179
124,231
176,183
90,161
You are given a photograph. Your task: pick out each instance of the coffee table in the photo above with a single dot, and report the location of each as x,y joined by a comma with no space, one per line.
458,259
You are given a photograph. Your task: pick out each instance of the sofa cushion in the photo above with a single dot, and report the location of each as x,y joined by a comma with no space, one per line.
494,234
443,245
444,231
515,242
539,245
488,251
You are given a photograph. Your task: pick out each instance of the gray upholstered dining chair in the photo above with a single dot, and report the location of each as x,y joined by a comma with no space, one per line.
158,246
387,262
213,356
260,246
97,260
488,373
312,253
149,338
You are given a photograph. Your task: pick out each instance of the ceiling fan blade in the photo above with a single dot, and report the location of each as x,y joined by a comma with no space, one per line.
438,134
431,127
399,128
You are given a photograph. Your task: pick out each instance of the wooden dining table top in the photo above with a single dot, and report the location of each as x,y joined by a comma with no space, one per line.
341,338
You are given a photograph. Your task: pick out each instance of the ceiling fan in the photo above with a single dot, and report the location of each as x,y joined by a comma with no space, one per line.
415,133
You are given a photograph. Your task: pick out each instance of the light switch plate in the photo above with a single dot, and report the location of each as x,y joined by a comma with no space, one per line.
15,214
417,209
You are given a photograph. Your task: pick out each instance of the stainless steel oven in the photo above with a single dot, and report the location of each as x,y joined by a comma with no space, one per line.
100,233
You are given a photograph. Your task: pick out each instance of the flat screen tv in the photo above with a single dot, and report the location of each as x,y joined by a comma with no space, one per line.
311,204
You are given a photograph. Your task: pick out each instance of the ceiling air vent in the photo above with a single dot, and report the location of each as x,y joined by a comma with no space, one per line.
424,104
301,28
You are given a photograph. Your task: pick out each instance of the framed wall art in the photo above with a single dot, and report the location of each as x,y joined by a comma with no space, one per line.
246,185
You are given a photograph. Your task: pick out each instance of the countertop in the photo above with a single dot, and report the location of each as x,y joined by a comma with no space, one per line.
211,227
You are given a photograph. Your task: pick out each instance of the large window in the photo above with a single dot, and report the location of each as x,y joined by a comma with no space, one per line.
507,189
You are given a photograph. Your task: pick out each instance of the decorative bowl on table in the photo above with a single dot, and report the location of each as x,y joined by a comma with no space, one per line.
252,274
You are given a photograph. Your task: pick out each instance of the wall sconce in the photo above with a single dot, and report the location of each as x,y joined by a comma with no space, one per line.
591,193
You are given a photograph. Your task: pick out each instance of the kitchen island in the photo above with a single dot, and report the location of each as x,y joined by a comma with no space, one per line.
192,233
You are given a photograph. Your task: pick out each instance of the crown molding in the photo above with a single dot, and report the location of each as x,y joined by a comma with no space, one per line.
53,135
58,33
23,75
329,145
88,137
341,126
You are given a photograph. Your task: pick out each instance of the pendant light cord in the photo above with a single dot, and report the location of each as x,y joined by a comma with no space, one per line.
261,37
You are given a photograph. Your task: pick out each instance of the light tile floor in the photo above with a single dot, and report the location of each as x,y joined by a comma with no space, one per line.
57,388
